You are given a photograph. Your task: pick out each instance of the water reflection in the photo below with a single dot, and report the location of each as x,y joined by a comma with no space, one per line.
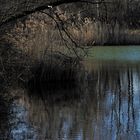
119,90
106,106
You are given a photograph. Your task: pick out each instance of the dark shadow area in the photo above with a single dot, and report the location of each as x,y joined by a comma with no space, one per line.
4,119
18,67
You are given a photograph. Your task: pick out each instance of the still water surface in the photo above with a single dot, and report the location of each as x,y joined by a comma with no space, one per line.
105,106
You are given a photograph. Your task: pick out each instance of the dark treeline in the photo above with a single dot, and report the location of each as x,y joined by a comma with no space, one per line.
121,11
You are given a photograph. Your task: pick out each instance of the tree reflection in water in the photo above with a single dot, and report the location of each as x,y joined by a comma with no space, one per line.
105,106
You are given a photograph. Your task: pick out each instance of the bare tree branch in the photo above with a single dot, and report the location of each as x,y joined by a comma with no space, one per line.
48,5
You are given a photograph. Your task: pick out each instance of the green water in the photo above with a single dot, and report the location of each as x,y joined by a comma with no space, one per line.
122,53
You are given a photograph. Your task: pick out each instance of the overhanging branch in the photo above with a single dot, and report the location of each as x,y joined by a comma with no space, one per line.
46,6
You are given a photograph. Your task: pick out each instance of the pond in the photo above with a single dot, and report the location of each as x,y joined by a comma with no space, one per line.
104,106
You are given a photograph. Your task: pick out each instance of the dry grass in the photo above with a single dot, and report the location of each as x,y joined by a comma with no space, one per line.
39,33
84,33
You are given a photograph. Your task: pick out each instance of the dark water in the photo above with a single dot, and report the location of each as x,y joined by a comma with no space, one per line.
104,106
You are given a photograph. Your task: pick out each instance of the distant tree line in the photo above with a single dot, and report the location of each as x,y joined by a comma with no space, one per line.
111,11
